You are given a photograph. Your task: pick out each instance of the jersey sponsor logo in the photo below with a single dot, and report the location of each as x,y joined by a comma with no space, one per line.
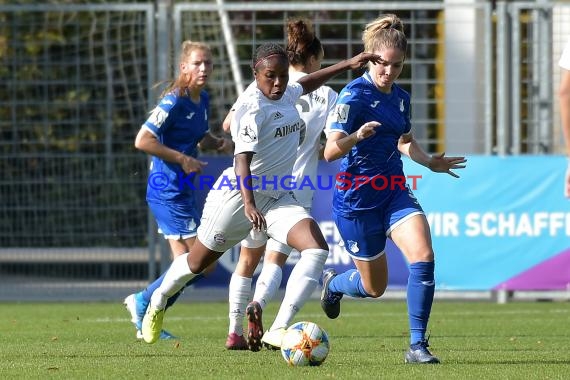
287,129
373,105
341,113
157,117
317,98
247,134
190,115
278,115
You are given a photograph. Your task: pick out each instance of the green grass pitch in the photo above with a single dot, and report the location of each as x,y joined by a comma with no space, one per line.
474,340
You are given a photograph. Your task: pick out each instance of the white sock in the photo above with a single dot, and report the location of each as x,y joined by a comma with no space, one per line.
301,284
267,283
175,279
239,292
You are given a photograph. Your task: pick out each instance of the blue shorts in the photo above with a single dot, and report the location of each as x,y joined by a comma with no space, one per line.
175,220
364,233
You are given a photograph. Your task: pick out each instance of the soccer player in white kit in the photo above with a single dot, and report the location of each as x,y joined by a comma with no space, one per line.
305,53
248,197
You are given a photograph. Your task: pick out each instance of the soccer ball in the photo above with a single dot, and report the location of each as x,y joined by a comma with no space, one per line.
305,344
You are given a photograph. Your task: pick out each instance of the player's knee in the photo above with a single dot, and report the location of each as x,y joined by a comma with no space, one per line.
375,290
424,255
246,268
196,267
376,293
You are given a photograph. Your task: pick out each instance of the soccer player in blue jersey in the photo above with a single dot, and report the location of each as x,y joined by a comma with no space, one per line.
370,131
172,134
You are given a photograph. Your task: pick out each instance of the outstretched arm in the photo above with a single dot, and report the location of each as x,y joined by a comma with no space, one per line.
437,163
316,79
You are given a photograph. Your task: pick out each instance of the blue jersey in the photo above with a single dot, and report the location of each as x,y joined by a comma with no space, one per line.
377,157
180,124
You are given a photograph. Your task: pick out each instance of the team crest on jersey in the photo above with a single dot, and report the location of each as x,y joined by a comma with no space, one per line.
191,225
402,105
341,113
352,246
219,238
247,134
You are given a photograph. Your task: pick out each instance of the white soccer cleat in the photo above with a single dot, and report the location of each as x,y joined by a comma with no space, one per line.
272,339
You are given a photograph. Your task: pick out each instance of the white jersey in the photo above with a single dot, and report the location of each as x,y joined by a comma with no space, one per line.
271,129
313,109
565,58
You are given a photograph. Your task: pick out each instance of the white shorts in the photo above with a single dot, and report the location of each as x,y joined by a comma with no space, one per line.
254,240
224,224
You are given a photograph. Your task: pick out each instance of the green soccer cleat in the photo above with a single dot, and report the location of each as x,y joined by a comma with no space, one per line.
152,324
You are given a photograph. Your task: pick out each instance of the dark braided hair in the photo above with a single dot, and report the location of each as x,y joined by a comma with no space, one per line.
265,51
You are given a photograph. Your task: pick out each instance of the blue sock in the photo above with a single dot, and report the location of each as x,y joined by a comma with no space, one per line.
173,299
421,287
348,283
147,292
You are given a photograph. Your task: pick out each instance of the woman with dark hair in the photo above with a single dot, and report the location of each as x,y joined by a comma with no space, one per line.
305,53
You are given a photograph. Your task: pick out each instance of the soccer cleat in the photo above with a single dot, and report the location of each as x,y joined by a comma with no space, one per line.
418,353
165,335
330,301
136,306
236,342
272,339
152,324
253,312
